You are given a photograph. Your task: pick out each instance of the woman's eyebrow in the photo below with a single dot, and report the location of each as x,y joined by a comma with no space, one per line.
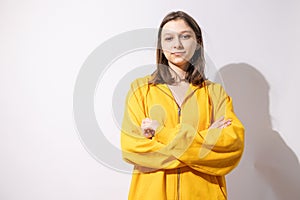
173,32
186,31
168,33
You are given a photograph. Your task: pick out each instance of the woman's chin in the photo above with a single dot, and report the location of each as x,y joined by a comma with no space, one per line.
179,62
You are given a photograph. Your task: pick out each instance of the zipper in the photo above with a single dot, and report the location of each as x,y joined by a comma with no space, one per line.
179,108
179,113
183,102
178,121
178,170
178,183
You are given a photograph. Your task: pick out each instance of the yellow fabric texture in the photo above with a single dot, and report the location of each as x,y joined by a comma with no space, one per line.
185,160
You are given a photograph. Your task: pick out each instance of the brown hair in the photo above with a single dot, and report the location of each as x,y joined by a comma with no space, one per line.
195,71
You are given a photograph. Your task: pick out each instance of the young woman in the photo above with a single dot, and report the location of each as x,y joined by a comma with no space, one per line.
179,129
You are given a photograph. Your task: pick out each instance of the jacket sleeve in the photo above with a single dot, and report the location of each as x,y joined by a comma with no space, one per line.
212,151
145,153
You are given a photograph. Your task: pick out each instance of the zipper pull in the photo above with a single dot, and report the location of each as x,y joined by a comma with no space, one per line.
179,113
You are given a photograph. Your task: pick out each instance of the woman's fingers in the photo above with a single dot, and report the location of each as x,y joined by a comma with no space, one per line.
228,122
225,123
146,120
221,123
154,124
220,119
148,123
148,127
149,133
145,125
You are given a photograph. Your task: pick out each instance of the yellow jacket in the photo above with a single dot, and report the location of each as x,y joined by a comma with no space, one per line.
185,160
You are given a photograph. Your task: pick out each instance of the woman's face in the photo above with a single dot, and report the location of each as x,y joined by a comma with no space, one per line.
178,41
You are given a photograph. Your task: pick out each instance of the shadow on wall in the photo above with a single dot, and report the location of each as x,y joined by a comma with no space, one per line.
269,170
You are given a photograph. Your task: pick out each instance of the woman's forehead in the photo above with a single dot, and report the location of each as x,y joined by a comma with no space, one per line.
176,26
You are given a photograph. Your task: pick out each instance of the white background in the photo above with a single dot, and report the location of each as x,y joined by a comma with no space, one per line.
44,43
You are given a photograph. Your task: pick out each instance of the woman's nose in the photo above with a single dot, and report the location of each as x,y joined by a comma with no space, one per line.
177,43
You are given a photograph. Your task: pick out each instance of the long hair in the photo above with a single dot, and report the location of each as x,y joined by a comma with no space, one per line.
195,70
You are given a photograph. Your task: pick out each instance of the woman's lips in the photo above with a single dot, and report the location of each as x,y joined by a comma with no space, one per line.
179,53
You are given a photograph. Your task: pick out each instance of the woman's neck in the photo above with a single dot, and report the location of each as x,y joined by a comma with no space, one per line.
181,73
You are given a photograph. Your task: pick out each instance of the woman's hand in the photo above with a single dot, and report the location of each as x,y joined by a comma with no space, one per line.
221,123
149,127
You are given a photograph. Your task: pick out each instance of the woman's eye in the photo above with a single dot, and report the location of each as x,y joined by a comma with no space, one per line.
168,38
185,37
